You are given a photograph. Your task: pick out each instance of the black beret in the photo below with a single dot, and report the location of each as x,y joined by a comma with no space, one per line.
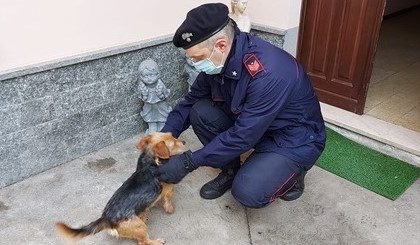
201,23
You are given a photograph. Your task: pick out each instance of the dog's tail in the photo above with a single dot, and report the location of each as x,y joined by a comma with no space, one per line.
76,234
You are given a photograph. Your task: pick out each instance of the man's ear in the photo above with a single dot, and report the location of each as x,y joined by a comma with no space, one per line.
222,44
161,150
144,142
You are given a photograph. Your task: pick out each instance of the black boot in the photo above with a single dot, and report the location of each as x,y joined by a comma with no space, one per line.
297,190
219,185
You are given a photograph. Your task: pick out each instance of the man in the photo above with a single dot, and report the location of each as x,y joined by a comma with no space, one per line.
249,94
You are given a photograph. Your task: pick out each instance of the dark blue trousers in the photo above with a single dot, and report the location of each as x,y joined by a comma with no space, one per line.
263,177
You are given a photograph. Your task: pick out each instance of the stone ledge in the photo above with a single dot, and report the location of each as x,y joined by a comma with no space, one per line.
269,29
388,133
97,54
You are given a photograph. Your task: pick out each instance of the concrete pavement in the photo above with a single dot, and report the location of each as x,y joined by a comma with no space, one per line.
331,211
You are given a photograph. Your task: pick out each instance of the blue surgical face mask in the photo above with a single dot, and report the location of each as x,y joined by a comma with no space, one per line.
208,66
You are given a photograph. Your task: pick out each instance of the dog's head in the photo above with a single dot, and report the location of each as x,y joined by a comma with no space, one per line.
161,145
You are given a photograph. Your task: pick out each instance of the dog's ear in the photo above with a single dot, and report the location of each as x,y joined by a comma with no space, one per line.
144,142
161,150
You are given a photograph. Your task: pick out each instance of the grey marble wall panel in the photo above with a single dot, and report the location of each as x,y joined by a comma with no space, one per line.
36,111
10,116
9,94
56,115
127,127
274,39
84,143
79,99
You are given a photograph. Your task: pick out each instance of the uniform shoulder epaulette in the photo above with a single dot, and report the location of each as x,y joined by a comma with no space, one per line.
253,64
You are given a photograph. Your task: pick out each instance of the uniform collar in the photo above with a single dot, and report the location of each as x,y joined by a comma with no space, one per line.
233,67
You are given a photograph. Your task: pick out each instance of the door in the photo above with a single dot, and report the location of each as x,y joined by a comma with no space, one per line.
337,44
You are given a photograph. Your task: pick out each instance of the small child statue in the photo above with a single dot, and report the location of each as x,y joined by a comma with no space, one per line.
153,92
242,20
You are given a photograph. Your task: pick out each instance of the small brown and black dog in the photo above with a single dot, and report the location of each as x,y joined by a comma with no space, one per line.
127,211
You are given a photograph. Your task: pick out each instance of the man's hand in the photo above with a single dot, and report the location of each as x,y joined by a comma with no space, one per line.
176,168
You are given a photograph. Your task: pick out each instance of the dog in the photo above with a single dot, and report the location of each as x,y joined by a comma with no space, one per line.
126,213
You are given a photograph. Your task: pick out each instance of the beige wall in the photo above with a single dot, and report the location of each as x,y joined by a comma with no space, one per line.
283,14
35,31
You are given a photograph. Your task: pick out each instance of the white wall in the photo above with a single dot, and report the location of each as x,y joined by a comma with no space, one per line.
292,35
283,14
35,31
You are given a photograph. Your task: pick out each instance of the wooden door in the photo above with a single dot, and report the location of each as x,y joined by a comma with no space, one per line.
337,44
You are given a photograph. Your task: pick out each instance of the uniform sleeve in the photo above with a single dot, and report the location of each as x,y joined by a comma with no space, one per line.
178,119
265,98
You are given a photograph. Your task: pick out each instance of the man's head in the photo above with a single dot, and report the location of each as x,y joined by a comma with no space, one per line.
206,35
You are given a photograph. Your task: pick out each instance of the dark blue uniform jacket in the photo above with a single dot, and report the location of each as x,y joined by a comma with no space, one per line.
270,96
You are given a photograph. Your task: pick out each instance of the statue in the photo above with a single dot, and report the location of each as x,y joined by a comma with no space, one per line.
153,92
242,20
189,70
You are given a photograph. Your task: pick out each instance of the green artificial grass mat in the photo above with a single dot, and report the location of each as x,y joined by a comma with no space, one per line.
375,171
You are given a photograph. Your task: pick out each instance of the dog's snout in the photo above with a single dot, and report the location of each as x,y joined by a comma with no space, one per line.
183,142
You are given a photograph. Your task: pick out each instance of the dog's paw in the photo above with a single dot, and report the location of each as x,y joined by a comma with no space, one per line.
158,242
169,209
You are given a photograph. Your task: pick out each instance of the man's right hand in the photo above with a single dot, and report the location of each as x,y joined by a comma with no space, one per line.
176,168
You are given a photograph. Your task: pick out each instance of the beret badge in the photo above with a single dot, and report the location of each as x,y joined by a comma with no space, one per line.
186,36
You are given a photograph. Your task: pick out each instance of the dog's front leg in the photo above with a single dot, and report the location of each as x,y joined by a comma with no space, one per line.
167,192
